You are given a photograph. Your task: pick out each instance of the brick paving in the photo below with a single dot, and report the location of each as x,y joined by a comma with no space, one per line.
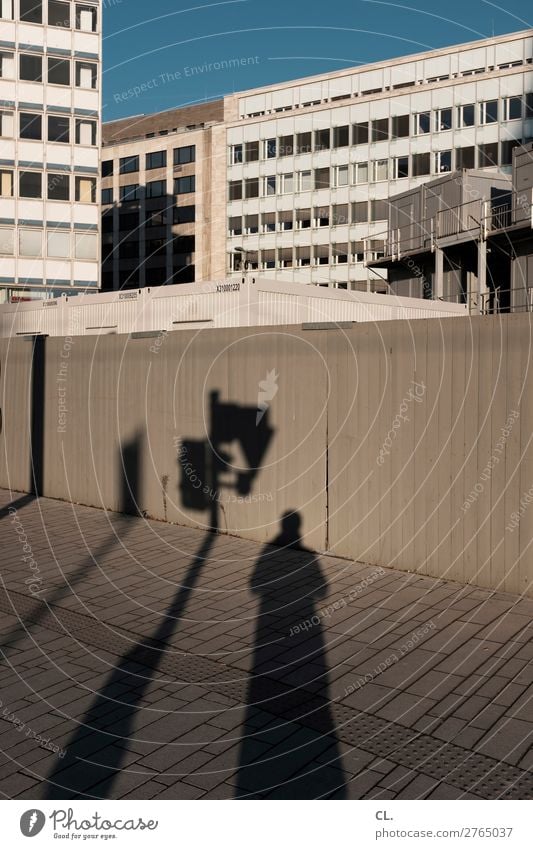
154,661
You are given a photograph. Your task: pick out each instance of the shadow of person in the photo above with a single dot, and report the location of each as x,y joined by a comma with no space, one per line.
289,748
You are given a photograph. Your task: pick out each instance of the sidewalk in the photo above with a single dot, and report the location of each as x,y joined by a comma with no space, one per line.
144,660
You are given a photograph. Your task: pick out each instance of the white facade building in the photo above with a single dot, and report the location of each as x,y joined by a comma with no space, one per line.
50,125
312,162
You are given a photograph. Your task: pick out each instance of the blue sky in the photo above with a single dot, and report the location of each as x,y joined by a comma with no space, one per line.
165,48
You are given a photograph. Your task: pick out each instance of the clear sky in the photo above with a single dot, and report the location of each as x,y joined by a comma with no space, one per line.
165,48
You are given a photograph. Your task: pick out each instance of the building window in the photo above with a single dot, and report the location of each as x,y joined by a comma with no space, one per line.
529,105
6,184
156,160
339,214
270,149
380,170
322,141
306,181
467,115
59,71
86,75
380,129
304,142
7,65
269,185
58,186
6,10
31,126
129,193
235,225
342,175
401,125
251,225
107,168
401,167
7,125
85,132
184,155
251,151
488,155
322,179
287,184
85,190
443,120
379,210
107,197
303,219
58,244
184,214
58,14
86,18
443,161
361,173
421,164
156,189
321,216
31,242
31,11
157,218
489,112
512,108
235,190
422,123
341,136
30,184
236,154
465,157
86,245
58,129
285,219
507,151
286,146
251,188
31,67
360,133
128,165
360,212
184,185
268,222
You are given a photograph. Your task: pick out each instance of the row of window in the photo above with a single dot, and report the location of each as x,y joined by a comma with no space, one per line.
384,129
130,221
154,189
334,215
33,67
54,244
378,170
33,126
157,159
54,13
184,246
301,257
35,184
379,90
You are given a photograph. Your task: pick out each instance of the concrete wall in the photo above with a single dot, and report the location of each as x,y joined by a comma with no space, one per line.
387,438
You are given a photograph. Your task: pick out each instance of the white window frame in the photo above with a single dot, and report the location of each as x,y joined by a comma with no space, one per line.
483,112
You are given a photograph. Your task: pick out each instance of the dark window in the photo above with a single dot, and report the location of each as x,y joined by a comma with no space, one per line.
58,14
107,196
379,210
467,115
251,151
156,189
466,157
184,185
129,193
107,222
184,155
155,247
360,212
58,186
444,120
85,131
400,126
341,136
380,129
321,178
157,218
271,148
529,105
402,167
128,222
59,71
86,18
31,67
128,249
507,151
421,164
30,184
31,11
184,214
304,142
156,160
360,133
31,126
488,155
286,146
58,129
322,139
235,190
129,164
107,168
251,188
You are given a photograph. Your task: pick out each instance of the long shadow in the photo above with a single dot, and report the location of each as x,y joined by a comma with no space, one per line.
289,747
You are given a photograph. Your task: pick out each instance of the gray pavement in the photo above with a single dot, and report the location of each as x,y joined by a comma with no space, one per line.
144,660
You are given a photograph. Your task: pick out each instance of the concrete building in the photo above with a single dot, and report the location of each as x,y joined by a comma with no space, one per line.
465,237
312,162
159,181
50,107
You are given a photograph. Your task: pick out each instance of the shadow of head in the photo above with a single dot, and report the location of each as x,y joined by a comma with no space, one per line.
290,535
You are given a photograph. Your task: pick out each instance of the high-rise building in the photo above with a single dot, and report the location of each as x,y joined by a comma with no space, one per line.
50,108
